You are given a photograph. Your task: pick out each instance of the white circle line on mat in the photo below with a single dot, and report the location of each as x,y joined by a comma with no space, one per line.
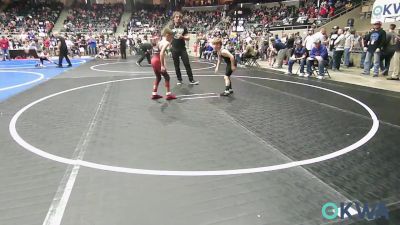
35,150
40,77
94,67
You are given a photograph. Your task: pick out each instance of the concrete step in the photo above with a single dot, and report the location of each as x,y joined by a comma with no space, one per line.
60,22
125,18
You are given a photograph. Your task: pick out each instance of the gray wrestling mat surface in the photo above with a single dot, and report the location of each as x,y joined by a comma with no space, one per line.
103,153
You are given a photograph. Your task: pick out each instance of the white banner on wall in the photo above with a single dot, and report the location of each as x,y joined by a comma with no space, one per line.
386,11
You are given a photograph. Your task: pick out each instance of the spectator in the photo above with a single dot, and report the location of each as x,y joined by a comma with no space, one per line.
321,36
364,44
338,50
299,55
208,51
272,52
249,52
395,63
319,54
332,38
281,49
290,46
92,45
389,49
4,45
348,46
376,41
309,40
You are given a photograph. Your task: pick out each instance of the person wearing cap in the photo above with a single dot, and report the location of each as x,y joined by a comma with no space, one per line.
318,53
375,44
299,55
332,38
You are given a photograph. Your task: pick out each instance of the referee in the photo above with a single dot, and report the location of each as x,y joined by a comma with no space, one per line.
63,52
122,47
178,49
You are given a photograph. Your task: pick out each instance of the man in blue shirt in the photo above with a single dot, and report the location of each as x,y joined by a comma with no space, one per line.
299,55
318,53
375,43
208,51
92,46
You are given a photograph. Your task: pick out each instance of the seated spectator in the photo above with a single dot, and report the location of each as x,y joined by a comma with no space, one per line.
208,51
299,55
249,52
318,54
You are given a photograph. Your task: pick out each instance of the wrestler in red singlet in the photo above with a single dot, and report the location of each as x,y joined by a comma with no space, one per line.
158,64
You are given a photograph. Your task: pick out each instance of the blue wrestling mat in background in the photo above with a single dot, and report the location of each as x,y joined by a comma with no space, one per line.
19,75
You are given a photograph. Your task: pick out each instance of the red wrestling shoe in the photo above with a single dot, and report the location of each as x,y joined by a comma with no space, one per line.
170,97
156,96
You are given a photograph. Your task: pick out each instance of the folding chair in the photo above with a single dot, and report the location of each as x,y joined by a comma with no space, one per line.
298,61
315,69
246,61
252,61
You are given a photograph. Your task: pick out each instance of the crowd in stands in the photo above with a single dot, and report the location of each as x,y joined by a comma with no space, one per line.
24,16
150,21
307,12
147,21
102,18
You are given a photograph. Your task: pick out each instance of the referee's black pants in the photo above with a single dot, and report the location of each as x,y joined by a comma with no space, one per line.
123,53
181,53
63,54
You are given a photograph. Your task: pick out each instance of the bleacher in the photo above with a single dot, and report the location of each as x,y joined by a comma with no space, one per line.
97,18
30,16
